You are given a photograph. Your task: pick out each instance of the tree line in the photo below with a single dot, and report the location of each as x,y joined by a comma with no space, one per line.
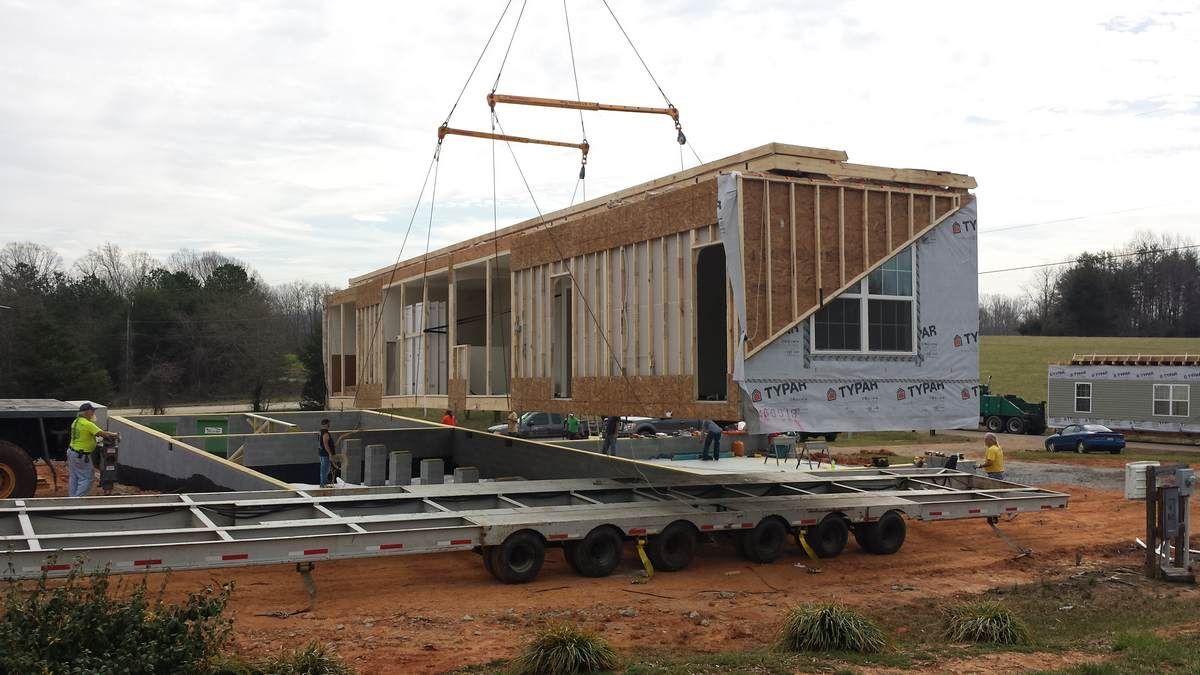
1148,288
124,328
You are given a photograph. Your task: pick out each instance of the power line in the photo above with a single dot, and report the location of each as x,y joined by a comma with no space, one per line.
1106,256
1071,219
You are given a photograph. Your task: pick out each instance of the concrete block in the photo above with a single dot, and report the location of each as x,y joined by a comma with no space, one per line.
400,468
352,461
466,474
375,466
433,472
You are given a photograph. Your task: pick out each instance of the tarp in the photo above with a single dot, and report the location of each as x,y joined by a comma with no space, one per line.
786,387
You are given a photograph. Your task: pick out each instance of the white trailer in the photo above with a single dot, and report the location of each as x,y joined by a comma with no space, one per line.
510,523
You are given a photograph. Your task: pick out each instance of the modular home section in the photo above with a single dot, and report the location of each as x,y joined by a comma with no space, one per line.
1135,393
624,304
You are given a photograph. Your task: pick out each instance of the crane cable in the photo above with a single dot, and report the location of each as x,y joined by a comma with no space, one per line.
582,129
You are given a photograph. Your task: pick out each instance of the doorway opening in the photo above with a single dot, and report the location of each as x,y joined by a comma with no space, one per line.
560,339
712,364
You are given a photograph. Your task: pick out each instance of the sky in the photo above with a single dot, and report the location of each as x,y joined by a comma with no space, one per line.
296,135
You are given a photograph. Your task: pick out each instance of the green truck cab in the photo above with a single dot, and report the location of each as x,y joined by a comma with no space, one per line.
1010,413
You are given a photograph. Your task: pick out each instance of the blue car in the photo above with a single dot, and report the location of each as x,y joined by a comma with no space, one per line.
1085,437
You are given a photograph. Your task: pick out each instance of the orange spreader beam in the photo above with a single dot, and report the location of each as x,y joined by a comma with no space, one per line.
494,98
444,131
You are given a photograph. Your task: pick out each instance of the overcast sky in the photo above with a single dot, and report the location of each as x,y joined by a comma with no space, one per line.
294,135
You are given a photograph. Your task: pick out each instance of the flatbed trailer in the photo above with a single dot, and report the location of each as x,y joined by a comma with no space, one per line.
510,523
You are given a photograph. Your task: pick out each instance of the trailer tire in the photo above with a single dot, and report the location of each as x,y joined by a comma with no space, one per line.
518,559
596,555
994,424
18,477
883,537
764,544
1015,425
672,549
828,538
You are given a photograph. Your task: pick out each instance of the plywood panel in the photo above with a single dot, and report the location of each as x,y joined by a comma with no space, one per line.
922,211
942,206
754,248
854,212
877,235
830,252
898,202
782,260
806,259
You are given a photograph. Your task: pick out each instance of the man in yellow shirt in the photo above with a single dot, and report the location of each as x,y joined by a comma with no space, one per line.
993,458
79,455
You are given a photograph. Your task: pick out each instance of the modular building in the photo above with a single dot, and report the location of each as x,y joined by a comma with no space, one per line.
782,285
1125,392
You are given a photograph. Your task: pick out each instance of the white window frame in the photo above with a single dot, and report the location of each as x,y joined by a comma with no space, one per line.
1171,400
1076,396
861,291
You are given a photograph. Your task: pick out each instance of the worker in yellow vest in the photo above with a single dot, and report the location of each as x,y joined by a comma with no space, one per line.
80,454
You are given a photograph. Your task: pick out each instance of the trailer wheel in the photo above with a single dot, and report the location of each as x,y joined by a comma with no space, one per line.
597,554
18,478
765,542
1015,425
828,538
518,559
883,537
672,549
994,424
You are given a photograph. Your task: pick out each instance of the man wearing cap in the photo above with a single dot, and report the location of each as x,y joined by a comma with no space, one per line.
79,454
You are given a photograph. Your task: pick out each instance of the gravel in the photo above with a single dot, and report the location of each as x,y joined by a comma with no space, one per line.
1043,473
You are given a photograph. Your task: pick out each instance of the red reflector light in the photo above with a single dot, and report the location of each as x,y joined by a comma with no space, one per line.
235,556
147,563
459,542
55,568
316,551
388,547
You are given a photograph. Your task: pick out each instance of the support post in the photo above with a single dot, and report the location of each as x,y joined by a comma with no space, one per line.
1151,562
400,468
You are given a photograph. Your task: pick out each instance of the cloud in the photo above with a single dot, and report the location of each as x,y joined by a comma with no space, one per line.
298,134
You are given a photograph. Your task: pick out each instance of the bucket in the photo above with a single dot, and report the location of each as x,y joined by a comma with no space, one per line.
739,449
1135,479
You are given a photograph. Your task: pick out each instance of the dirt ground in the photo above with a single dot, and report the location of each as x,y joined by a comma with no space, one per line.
433,613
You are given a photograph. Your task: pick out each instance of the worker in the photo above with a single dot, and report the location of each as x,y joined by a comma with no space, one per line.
993,458
712,436
572,426
448,419
611,424
326,451
79,455
512,422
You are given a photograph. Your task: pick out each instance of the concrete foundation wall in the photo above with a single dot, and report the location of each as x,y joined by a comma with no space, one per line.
505,457
665,448
154,461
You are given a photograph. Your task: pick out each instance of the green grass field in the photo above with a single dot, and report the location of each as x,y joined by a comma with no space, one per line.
1017,364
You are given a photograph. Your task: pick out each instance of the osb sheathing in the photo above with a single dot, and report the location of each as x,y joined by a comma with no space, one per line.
370,293
803,243
368,396
456,395
657,215
639,395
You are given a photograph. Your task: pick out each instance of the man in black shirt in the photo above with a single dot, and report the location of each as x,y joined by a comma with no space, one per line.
325,451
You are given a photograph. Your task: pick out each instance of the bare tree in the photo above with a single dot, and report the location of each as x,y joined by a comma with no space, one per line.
122,272
199,264
1041,294
41,259
1001,314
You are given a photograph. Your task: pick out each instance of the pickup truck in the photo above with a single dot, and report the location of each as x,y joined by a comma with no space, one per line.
539,424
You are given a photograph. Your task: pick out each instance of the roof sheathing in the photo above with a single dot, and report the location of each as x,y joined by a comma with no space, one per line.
781,158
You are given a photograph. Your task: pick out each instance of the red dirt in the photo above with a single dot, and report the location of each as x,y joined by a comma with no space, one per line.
432,613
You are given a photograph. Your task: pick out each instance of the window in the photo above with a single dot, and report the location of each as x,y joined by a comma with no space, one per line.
1171,400
1083,397
878,313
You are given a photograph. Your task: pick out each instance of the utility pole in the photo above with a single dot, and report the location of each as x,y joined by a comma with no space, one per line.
128,353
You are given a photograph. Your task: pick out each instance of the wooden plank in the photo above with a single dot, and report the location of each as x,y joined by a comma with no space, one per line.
606,304
817,245
664,275
841,223
877,237
688,297
911,198
767,257
943,179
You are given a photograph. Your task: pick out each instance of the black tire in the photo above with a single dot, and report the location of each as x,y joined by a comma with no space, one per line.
994,424
596,555
829,438
764,544
18,478
673,548
487,561
518,559
883,537
646,431
1080,447
1115,452
1015,425
828,538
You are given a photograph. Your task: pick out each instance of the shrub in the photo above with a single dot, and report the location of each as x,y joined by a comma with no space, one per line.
86,624
311,659
829,627
564,649
985,622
